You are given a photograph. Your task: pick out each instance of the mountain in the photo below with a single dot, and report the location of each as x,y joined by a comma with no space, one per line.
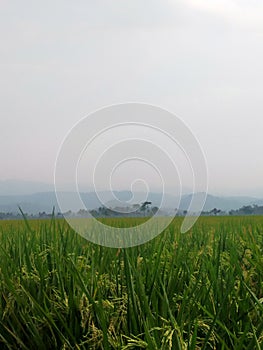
223,203
20,187
258,202
45,201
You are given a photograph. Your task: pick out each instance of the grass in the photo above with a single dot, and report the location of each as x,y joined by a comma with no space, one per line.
198,290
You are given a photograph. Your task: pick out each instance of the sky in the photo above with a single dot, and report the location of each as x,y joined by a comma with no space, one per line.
199,59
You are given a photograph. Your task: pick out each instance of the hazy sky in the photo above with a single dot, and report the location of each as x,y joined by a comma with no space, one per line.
200,59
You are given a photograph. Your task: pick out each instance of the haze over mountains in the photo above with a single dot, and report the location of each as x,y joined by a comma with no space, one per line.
34,197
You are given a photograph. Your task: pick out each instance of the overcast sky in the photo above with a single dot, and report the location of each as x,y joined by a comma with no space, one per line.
200,59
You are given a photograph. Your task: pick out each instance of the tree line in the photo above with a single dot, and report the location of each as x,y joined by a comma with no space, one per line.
143,209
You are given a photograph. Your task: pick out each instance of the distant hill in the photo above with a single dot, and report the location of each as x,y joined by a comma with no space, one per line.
44,201
20,187
258,202
223,203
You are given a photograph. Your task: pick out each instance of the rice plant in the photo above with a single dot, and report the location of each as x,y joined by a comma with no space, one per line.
198,290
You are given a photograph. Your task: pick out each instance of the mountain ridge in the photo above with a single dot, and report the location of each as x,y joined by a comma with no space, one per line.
45,201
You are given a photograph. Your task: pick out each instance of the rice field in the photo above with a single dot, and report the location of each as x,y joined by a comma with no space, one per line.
198,290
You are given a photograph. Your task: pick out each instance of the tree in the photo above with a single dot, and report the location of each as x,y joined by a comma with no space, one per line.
154,210
215,211
145,206
136,208
247,209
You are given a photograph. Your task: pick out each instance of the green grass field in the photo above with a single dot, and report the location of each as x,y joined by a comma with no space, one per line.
198,290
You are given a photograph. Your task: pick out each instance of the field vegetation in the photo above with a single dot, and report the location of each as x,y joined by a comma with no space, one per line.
198,290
